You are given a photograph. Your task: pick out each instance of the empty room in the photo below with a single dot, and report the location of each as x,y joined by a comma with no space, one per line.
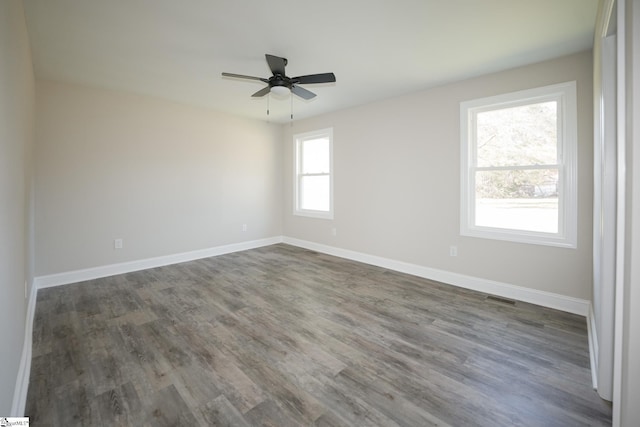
347,213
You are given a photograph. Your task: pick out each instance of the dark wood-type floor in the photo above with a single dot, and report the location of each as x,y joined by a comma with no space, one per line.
281,336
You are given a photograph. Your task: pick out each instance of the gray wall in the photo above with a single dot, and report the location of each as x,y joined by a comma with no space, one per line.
16,141
397,181
165,177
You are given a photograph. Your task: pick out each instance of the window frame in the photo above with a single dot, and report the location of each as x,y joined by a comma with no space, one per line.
565,95
298,142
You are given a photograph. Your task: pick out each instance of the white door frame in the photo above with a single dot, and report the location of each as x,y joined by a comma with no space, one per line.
605,200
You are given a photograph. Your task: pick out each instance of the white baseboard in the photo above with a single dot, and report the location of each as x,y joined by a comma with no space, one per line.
505,290
542,298
143,264
592,333
533,296
22,382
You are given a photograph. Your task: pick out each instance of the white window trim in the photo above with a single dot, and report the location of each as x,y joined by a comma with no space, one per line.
297,140
565,93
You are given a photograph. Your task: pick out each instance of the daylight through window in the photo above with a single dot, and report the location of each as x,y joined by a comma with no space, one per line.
518,166
313,180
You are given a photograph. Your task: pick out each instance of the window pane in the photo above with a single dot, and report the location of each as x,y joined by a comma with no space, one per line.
518,199
315,156
314,194
518,136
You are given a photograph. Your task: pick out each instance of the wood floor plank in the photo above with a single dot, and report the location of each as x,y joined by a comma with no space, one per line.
269,414
282,336
119,405
387,399
221,413
167,408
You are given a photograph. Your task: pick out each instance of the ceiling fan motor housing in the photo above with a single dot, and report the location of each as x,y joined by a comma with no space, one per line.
279,80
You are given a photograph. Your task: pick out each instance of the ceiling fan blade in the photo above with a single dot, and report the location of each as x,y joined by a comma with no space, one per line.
240,76
302,92
276,64
262,92
315,78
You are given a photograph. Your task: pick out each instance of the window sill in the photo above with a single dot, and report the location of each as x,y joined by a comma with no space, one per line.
314,214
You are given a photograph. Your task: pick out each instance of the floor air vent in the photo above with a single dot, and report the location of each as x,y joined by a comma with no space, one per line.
501,300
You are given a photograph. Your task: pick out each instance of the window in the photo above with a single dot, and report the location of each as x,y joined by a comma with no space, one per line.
313,181
518,166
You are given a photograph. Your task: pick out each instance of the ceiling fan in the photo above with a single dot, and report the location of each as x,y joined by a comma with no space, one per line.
280,84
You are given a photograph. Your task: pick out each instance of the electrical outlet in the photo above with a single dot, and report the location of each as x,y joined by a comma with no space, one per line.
453,251
118,244
334,231
244,227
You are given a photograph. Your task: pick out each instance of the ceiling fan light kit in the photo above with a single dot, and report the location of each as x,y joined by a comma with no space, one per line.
280,91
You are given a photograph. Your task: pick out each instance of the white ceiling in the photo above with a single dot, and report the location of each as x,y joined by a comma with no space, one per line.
176,49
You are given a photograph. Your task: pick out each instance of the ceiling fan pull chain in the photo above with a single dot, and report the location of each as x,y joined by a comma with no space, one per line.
268,98
291,96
